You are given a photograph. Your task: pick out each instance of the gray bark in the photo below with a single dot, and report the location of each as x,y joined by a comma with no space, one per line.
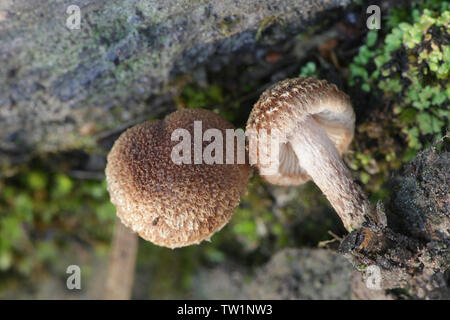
58,87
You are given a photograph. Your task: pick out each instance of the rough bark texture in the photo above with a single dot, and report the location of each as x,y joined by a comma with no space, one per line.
413,251
59,86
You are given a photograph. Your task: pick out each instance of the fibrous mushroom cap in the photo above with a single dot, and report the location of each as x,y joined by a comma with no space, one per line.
285,105
168,204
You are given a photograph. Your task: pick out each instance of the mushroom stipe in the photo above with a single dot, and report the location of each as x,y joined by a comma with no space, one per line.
316,122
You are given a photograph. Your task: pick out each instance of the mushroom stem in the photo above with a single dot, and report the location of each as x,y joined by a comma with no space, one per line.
317,154
122,263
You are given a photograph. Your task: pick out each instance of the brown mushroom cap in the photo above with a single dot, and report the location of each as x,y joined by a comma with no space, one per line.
168,204
289,102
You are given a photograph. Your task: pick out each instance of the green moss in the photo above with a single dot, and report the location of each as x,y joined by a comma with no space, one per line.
407,64
212,97
253,223
37,206
308,70
194,97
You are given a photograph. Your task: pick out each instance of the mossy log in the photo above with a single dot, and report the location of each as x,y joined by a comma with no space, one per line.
59,86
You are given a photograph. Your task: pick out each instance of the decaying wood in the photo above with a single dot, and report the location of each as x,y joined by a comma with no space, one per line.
412,253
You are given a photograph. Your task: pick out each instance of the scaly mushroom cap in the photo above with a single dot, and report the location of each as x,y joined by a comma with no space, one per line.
286,104
168,204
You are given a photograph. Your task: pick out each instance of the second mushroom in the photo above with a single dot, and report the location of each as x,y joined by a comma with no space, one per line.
315,121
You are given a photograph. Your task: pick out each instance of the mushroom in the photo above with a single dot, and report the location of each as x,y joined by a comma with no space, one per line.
169,204
315,122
